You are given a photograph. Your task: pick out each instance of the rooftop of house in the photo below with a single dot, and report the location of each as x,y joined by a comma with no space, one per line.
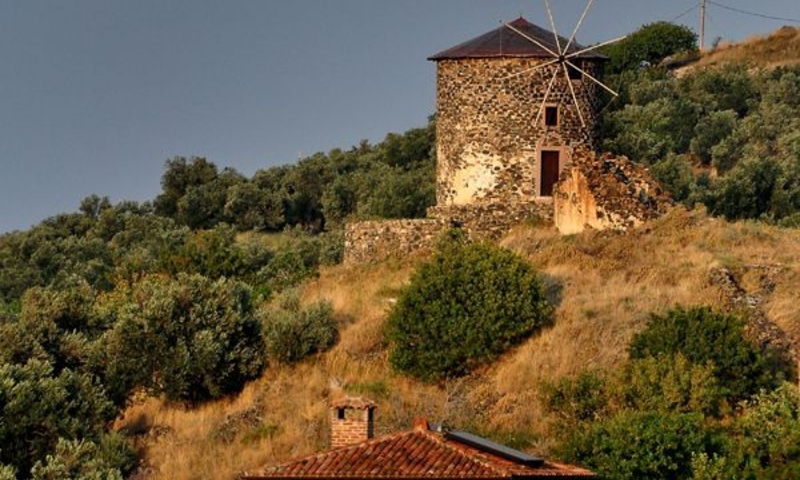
506,41
420,453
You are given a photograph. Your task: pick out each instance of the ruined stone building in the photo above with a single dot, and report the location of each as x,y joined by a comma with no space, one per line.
512,117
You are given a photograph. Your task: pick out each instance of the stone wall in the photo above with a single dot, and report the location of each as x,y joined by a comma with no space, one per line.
376,240
606,193
488,139
490,221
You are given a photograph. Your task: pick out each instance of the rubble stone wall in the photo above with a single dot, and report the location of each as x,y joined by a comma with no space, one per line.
606,193
376,240
490,221
488,138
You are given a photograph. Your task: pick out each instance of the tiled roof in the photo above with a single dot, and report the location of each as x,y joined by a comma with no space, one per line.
416,454
505,42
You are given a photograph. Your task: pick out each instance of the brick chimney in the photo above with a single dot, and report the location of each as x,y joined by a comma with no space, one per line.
352,421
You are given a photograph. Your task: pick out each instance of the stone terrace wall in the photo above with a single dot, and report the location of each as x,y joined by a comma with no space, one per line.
377,240
488,137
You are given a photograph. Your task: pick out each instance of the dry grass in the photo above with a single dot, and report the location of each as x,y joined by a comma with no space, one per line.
605,285
780,48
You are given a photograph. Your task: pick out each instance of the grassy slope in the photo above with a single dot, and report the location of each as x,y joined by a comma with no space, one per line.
782,47
607,284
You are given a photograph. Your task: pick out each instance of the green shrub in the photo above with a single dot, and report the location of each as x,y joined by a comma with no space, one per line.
642,446
190,338
7,472
464,307
710,131
577,400
762,442
76,460
706,337
767,436
651,43
675,175
293,333
649,132
792,221
747,190
37,407
670,383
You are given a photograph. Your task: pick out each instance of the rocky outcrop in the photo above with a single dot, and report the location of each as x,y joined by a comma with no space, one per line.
736,299
606,193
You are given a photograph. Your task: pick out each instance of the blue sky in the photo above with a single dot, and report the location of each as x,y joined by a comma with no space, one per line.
95,95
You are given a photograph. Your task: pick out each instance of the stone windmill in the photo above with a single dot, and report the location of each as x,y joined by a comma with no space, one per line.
512,106
516,130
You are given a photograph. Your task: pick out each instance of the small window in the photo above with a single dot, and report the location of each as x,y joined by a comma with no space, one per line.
551,116
574,73
340,413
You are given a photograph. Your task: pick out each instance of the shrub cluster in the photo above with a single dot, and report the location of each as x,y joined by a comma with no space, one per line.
705,337
467,305
725,136
292,333
681,397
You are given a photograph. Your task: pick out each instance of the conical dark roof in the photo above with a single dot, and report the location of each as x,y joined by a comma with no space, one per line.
505,42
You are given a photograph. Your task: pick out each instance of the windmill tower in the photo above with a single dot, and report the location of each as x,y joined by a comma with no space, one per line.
512,106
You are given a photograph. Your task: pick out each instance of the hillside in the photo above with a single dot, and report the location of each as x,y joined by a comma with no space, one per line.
604,284
205,332
780,48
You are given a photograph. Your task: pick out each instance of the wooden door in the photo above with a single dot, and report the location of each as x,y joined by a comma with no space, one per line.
549,172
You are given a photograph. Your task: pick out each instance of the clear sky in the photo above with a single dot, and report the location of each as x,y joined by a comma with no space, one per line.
96,95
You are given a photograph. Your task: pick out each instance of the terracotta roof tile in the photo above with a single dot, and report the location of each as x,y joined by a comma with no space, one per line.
414,454
505,42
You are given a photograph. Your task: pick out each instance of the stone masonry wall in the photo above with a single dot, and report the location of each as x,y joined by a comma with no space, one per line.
377,240
487,137
490,221
488,148
606,193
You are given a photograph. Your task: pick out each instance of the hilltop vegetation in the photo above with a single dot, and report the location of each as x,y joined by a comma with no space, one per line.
172,299
202,333
723,136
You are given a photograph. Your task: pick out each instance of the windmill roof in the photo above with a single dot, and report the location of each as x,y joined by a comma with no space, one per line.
420,454
505,42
